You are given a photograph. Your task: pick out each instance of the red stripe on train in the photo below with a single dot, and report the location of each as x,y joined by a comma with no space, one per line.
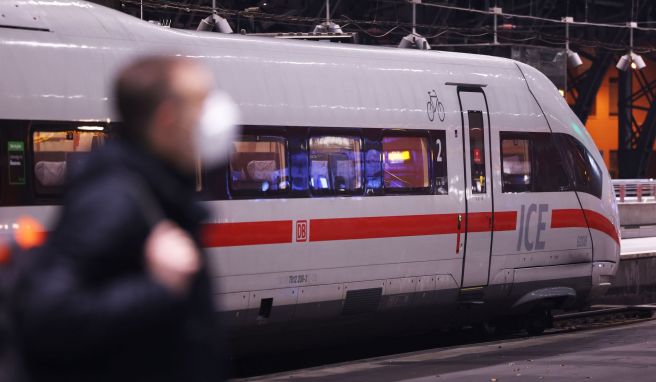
406,225
479,222
249,233
601,223
376,227
482,221
382,226
568,218
505,221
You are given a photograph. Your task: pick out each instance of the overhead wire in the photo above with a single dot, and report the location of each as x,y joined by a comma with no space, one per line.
530,17
396,26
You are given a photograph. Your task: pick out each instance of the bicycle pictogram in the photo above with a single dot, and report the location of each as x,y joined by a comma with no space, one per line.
434,106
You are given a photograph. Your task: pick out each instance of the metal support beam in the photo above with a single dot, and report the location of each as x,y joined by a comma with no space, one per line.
641,142
584,88
636,140
626,153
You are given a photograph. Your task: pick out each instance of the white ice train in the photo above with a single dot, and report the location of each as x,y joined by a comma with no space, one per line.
368,183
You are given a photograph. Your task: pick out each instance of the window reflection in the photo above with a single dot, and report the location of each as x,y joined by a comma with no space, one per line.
516,165
405,163
335,164
258,164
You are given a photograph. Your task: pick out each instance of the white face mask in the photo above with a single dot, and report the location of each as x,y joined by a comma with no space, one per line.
217,129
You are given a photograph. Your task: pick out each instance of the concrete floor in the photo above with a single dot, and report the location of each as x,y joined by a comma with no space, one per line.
621,353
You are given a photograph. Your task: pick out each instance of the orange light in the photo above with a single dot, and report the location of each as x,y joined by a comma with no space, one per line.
398,156
5,253
30,233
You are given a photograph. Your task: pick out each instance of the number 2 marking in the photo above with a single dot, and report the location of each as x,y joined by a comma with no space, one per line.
439,149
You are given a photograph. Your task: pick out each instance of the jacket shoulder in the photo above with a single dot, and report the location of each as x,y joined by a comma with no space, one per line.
102,215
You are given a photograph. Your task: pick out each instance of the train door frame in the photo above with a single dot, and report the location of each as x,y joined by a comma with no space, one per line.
479,206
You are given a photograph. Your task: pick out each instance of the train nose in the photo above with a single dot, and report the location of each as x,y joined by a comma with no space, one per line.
606,247
603,274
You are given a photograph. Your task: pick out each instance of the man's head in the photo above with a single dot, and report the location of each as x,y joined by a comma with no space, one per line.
160,100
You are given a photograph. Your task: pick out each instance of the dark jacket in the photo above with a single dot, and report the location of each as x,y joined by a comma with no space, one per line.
89,311
10,365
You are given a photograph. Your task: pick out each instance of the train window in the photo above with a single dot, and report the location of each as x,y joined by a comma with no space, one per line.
549,170
372,169
258,165
58,152
477,152
516,164
587,174
531,163
405,163
373,164
335,164
441,178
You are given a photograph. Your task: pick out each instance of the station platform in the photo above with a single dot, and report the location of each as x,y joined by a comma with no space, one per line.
638,247
610,354
635,281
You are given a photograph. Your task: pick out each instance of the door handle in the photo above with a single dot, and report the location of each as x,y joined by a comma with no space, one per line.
458,234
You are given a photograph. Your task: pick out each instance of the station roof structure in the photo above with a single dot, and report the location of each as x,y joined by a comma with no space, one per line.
596,23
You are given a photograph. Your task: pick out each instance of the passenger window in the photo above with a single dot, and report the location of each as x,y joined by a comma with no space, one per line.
405,164
57,153
477,152
516,164
441,177
587,174
335,164
258,165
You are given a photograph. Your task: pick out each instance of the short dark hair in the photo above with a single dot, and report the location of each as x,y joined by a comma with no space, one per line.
139,90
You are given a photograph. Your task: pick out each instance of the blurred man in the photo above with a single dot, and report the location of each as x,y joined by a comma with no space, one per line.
122,292
28,235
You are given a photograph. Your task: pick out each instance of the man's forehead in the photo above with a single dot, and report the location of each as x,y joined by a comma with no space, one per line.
190,76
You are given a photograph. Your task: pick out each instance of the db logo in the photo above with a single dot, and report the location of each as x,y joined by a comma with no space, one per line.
301,230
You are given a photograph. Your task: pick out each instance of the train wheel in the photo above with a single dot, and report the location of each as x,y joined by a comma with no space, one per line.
487,329
538,322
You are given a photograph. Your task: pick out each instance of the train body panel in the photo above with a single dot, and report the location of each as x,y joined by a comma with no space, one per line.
600,210
508,224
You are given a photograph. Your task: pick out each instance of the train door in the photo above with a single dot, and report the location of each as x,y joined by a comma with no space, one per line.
478,193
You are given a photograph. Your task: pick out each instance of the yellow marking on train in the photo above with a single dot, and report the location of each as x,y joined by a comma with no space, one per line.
470,289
